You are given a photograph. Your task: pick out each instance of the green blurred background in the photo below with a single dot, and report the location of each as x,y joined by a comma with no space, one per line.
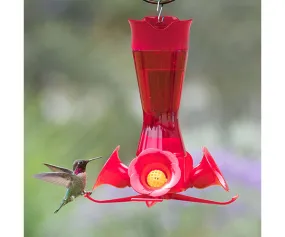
82,100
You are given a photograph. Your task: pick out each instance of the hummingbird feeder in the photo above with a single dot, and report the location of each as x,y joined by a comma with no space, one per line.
162,167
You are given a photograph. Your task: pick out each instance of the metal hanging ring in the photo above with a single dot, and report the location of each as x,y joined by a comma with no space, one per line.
162,2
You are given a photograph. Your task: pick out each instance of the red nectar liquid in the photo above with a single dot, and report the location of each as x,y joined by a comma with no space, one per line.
160,76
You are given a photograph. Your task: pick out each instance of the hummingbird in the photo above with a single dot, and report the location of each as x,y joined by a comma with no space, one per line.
74,180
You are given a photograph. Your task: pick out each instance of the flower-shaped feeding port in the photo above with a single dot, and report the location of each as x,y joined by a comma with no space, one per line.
162,168
154,172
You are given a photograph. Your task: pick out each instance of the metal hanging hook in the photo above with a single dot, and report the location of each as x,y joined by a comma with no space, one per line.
159,10
159,7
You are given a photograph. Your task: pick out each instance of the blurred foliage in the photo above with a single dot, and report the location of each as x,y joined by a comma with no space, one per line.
81,100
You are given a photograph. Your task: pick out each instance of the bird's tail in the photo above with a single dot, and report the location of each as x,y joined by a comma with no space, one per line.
61,205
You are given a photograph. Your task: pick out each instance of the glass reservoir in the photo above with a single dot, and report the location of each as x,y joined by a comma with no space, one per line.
160,51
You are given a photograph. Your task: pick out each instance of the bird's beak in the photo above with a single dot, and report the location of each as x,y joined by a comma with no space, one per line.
99,157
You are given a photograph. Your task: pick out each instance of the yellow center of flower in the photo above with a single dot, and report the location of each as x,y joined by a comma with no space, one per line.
156,179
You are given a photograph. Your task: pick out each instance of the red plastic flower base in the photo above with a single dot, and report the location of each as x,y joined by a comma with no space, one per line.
158,175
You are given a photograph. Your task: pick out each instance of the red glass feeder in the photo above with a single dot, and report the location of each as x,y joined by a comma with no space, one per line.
162,167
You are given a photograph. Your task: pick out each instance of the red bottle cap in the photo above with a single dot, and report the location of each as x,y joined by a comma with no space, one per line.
170,34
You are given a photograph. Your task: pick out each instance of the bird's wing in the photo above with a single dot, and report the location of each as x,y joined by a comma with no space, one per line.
58,168
59,178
